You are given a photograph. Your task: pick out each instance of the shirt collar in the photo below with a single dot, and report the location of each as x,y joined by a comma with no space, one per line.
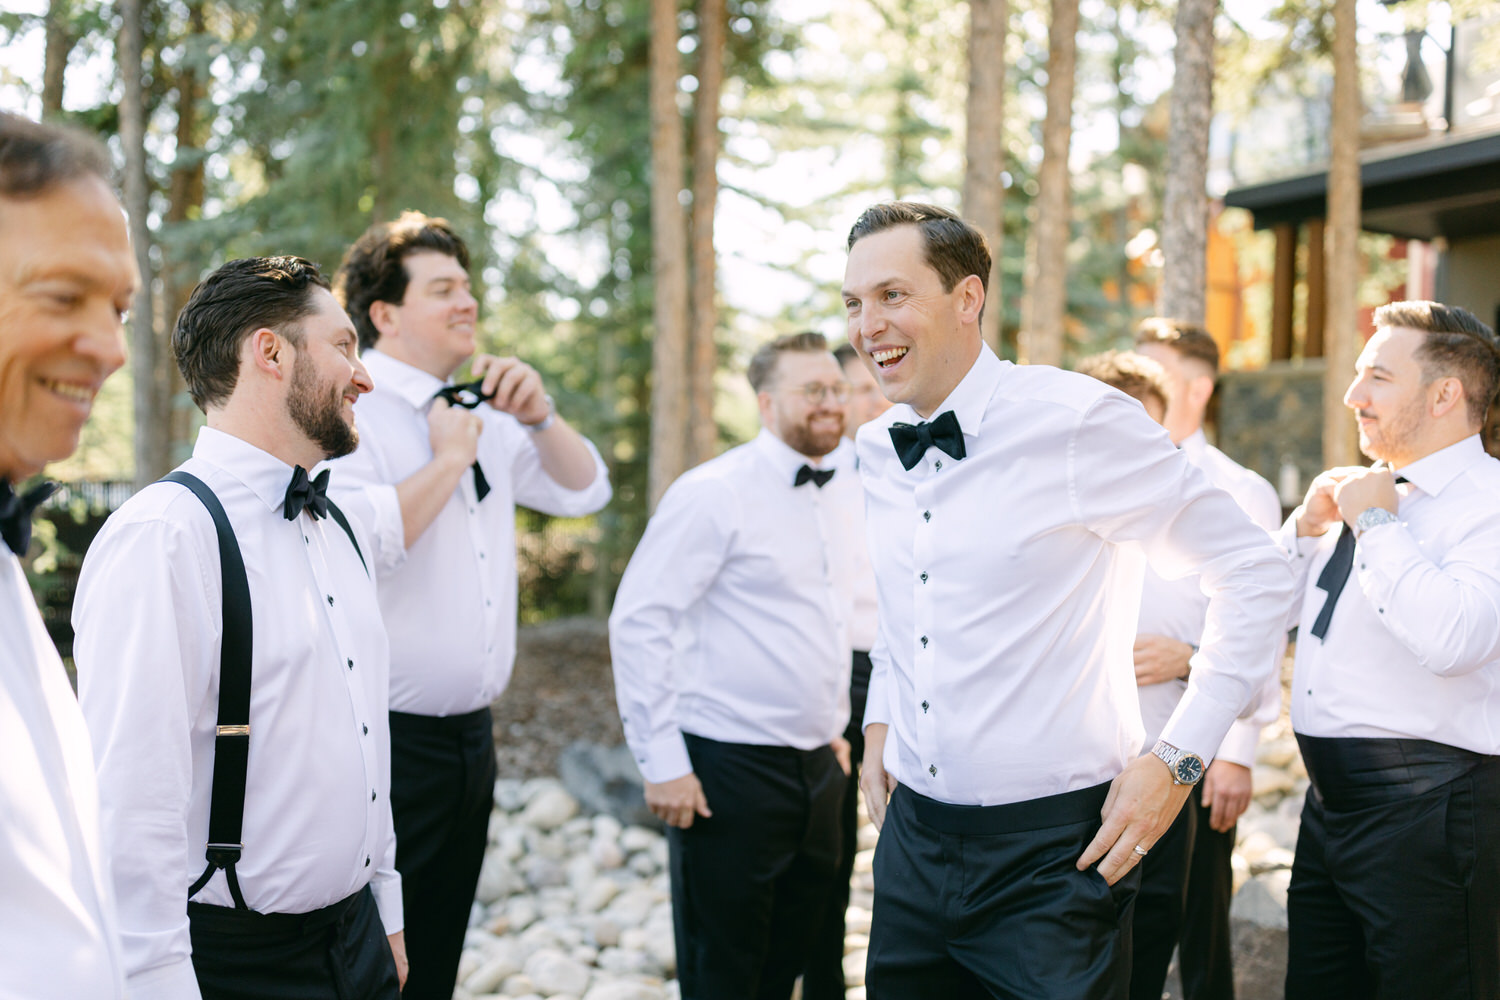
263,474
787,460
410,383
970,398
1195,445
1432,473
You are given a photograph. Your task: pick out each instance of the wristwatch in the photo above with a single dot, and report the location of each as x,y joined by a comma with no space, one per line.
1186,768
546,421
1370,517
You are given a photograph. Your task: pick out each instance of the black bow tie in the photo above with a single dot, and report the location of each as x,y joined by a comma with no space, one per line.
1335,574
15,513
818,477
468,395
306,494
912,442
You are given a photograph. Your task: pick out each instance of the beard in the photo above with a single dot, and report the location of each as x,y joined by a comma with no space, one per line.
1395,434
318,411
802,439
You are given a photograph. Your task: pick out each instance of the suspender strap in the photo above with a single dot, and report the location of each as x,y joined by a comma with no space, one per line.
343,521
226,810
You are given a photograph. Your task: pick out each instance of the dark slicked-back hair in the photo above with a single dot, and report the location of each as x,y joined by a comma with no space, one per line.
243,296
35,156
1456,344
1189,340
950,246
1136,375
374,269
763,362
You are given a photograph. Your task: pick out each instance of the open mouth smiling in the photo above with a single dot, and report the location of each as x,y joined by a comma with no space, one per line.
888,357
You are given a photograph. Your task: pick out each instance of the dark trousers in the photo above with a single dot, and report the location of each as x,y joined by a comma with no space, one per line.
337,953
987,901
1395,890
442,790
1186,885
824,978
750,883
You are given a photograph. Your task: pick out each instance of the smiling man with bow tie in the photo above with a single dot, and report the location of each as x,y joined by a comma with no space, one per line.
233,671
1002,718
730,642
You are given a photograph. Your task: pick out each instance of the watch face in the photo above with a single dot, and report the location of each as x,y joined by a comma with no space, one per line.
1189,769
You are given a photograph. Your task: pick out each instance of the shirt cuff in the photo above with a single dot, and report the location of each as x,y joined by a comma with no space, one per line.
1240,743
1383,554
664,758
1198,725
388,529
1295,546
877,702
173,981
387,892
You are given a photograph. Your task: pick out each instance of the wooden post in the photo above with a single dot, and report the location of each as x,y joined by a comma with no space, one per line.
1317,289
1282,285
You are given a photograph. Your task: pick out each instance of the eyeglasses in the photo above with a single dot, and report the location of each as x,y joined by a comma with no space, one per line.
815,392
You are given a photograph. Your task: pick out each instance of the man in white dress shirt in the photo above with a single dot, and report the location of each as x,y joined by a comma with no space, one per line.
730,644
1187,883
438,485
1002,714
1395,889
67,275
299,896
824,978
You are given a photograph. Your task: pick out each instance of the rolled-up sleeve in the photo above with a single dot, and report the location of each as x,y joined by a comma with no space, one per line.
539,491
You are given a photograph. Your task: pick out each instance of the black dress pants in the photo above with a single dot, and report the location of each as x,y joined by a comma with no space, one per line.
1186,886
750,884
442,791
337,953
1395,890
824,978
987,902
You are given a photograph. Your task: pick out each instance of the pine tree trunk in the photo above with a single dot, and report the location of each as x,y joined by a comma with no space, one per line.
1045,306
984,194
1185,212
669,349
704,350
150,396
1342,339
60,41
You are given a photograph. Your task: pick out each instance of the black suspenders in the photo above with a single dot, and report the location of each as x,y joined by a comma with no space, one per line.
226,809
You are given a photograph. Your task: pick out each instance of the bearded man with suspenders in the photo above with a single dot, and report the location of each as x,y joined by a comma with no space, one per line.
233,672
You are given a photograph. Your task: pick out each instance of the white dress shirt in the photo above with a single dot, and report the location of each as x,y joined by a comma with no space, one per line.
1413,647
1178,608
148,616
1009,603
864,626
58,937
450,600
731,621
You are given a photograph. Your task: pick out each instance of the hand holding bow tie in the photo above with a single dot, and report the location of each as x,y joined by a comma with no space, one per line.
512,386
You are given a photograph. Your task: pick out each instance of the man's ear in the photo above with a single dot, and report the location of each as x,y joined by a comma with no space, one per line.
970,298
1199,389
383,317
269,353
1447,392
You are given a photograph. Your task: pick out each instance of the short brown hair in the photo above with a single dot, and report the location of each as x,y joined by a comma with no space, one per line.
374,269
36,156
763,362
242,296
1456,343
1189,340
950,246
1136,375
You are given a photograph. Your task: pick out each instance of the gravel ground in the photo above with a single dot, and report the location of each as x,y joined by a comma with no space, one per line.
562,691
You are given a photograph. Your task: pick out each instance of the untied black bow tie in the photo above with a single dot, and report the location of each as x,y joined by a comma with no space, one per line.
15,513
468,395
818,477
912,441
1335,574
306,494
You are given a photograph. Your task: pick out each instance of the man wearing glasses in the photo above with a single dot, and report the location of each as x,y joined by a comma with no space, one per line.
730,640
